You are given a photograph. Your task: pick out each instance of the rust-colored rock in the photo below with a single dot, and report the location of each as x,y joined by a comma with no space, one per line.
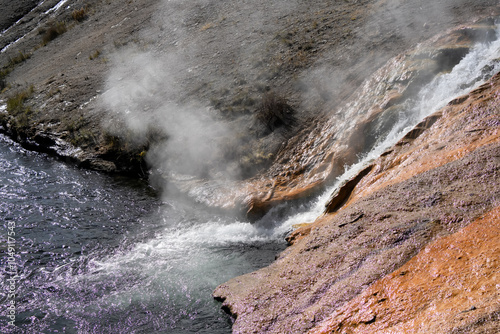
319,155
299,233
466,124
453,285
342,195
444,176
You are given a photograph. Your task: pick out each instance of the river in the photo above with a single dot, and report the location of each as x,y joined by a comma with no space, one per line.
101,254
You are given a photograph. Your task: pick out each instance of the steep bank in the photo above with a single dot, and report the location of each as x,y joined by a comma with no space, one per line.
69,54
441,177
451,286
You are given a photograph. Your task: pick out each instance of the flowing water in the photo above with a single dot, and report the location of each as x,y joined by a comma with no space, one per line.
99,254
83,252
479,65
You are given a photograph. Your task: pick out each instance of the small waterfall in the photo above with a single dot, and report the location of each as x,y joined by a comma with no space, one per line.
480,64
183,261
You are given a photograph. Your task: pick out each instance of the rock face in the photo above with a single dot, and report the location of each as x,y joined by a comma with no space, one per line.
451,286
315,54
441,177
306,163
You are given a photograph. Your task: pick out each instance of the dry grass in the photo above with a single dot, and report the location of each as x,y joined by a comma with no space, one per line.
17,108
15,104
53,31
21,57
80,15
13,61
95,55
207,26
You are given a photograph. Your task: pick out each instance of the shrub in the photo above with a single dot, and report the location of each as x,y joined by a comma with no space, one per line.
53,31
79,14
275,112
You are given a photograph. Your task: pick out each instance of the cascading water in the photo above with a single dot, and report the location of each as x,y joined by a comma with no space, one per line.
480,64
95,254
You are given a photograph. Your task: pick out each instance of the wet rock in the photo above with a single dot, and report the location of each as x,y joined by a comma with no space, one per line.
432,187
344,192
319,155
298,234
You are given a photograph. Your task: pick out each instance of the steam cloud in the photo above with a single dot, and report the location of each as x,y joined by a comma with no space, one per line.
143,93
149,89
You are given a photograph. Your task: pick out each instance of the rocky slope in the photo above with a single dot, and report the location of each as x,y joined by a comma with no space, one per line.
451,286
365,265
63,58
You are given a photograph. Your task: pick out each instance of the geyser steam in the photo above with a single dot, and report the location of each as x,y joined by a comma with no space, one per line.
143,95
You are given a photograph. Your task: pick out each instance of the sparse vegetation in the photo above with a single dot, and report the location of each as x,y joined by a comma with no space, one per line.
17,108
54,30
19,58
285,38
79,133
207,26
53,92
128,143
15,104
82,138
95,55
275,112
3,74
123,150
13,61
80,15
